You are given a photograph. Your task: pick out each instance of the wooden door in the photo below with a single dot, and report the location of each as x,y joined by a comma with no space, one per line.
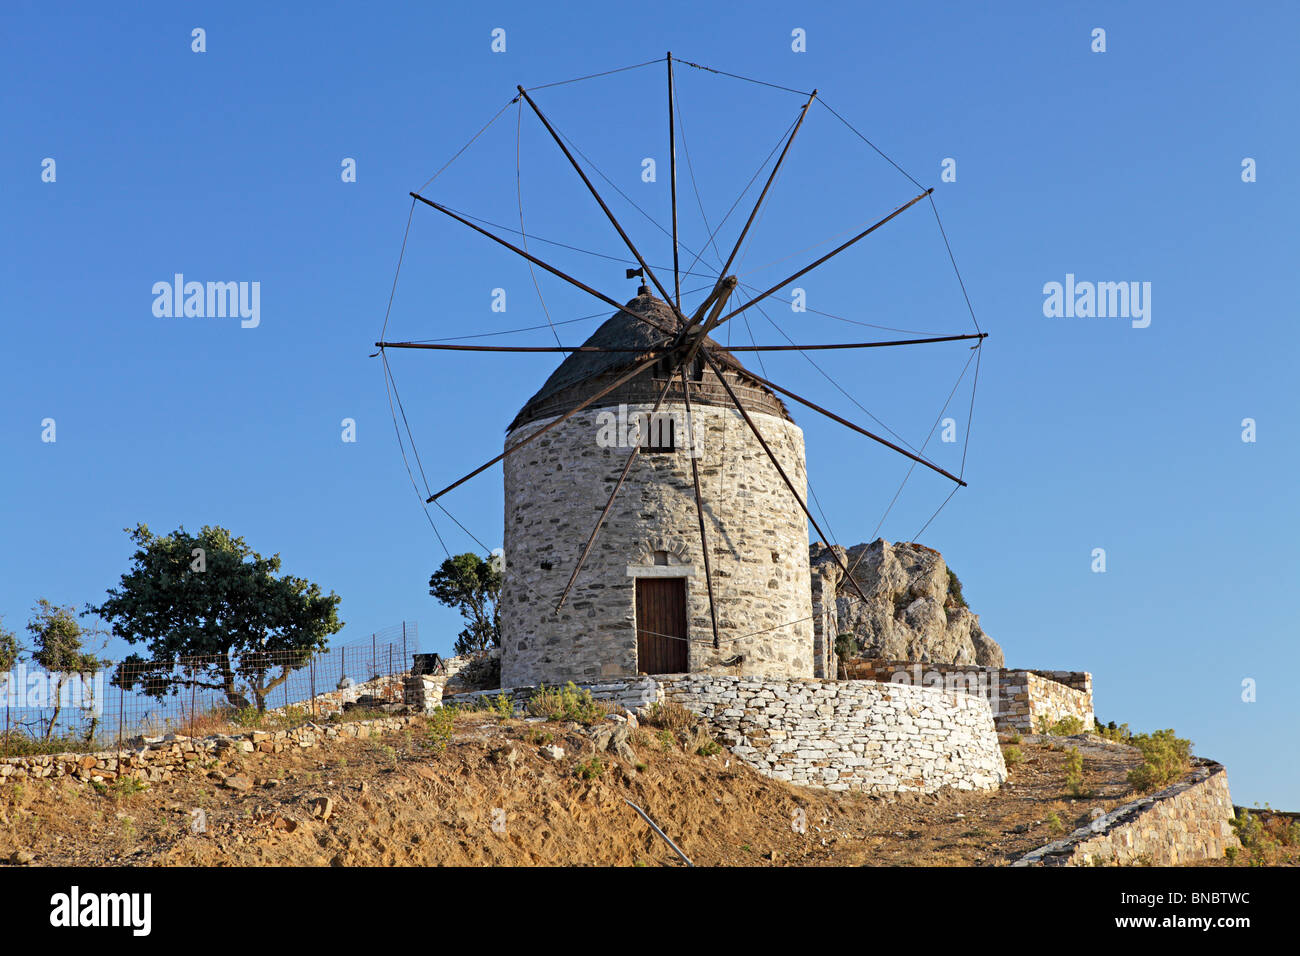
661,625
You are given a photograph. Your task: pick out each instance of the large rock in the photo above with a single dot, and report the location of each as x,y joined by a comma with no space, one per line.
911,614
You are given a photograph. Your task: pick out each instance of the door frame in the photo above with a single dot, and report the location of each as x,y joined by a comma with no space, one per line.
661,572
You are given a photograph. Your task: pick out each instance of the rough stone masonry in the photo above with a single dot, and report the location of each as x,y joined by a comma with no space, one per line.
554,492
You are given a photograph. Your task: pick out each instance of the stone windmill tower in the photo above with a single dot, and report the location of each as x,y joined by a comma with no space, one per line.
641,601
655,512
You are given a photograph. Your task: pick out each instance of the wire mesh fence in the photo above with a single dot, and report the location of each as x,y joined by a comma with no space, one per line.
199,695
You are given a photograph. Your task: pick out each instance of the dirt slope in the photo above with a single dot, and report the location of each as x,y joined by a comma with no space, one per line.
492,796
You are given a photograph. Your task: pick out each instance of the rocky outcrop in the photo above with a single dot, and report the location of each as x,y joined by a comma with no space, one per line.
912,613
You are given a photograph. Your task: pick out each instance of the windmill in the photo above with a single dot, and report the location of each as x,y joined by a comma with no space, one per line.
657,352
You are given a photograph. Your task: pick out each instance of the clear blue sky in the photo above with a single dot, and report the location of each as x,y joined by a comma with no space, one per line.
1088,433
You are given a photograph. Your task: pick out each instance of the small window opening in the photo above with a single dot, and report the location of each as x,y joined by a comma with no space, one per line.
659,434
661,557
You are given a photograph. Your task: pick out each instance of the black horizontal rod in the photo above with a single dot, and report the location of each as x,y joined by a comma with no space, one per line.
509,348
649,351
853,345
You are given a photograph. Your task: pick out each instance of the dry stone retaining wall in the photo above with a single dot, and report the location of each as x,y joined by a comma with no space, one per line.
1020,699
840,735
1185,822
849,735
159,759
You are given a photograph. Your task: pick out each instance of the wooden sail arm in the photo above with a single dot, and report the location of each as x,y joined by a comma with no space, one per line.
536,261
636,370
830,255
649,273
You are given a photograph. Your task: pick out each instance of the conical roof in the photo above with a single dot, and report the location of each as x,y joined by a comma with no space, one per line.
644,324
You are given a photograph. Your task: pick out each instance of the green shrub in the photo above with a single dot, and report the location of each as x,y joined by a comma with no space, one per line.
1119,734
670,716
1054,822
129,786
708,748
441,726
1074,772
1065,727
1012,756
567,703
589,770
954,589
1264,834
18,744
1165,758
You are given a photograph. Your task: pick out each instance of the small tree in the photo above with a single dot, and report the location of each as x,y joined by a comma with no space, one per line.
9,648
58,646
472,585
213,613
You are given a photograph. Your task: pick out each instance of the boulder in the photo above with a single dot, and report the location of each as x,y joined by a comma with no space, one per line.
912,611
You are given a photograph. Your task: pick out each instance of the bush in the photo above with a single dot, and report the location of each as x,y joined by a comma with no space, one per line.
567,703
703,744
954,590
1264,834
1120,734
1074,772
589,770
441,726
670,716
1065,727
18,744
1012,756
1165,758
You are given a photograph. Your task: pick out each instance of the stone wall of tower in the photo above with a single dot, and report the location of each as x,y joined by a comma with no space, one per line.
758,540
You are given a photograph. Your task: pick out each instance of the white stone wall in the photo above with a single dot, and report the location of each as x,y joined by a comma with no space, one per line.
1185,822
758,538
850,735
840,735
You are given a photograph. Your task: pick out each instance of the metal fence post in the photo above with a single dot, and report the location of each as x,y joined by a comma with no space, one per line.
312,667
121,710
404,655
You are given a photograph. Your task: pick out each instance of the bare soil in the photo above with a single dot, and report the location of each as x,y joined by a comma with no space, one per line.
492,796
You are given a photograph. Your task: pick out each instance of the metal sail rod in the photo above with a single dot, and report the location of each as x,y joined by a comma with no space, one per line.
768,185
627,467
592,189
699,503
834,252
672,172
781,471
636,370
857,428
438,346
533,259
855,345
